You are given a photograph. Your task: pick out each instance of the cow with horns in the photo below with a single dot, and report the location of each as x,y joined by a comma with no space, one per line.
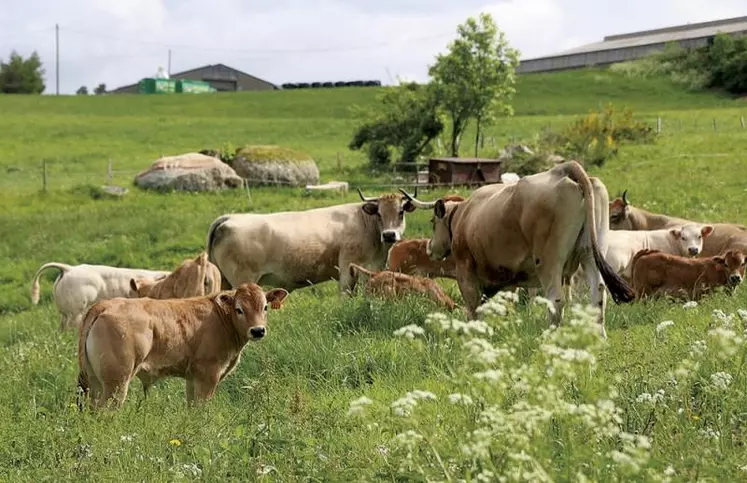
533,234
294,249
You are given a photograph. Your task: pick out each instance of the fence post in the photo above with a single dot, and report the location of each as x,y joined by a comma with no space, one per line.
248,194
339,161
741,121
714,125
44,175
109,172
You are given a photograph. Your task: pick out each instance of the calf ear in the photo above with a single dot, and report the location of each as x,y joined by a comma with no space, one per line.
719,259
370,208
439,209
675,233
226,299
706,230
275,297
133,284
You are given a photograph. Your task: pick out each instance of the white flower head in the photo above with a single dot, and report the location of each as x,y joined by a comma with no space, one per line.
690,305
721,380
409,331
663,325
458,398
358,406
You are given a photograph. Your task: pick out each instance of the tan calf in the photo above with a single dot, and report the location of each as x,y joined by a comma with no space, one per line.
392,285
656,273
411,257
199,339
193,278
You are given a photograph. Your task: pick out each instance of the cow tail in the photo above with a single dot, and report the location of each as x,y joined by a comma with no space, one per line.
83,361
619,289
35,283
212,239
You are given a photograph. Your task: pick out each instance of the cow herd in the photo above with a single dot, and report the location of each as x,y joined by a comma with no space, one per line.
541,232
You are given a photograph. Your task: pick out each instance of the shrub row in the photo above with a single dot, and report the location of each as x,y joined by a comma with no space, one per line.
318,85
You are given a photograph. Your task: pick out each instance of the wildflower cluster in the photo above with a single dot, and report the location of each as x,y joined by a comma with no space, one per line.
508,389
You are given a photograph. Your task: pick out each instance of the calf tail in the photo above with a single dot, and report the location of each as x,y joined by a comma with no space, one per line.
83,361
213,238
355,269
35,283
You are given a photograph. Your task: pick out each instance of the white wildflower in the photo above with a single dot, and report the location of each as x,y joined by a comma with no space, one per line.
669,471
358,406
263,469
727,341
720,317
409,438
403,406
409,331
484,351
543,301
493,307
690,305
126,438
653,399
664,325
742,314
506,296
486,476
492,375
458,398
721,380
710,433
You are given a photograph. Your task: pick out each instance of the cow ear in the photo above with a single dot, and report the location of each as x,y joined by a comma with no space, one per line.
720,260
275,297
226,299
706,230
408,206
370,208
440,209
675,233
133,284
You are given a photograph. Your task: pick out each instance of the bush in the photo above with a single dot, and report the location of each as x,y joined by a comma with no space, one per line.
379,154
327,84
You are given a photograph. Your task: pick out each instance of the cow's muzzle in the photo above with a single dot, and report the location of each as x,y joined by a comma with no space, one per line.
693,251
257,332
389,236
735,280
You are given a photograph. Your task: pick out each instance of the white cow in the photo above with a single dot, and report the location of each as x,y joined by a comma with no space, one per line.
80,286
684,240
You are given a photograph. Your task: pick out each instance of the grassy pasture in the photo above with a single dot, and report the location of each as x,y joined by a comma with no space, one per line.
282,415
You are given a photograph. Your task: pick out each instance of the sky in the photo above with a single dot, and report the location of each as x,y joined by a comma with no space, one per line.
118,42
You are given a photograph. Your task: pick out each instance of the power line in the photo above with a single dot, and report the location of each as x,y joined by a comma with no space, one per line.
258,51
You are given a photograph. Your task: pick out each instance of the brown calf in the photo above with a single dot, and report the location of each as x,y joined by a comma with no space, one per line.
193,278
199,339
656,273
391,285
411,257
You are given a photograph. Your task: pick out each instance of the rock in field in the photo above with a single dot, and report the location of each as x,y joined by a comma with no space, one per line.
188,172
271,164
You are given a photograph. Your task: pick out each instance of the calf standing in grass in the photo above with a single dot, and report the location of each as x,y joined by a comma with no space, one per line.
392,285
199,339
80,286
193,278
656,273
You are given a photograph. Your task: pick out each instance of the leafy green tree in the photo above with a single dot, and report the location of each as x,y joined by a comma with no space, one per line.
82,91
405,122
100,89
476,77
22,76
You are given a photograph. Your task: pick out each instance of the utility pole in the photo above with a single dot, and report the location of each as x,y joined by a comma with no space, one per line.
169,65
57,56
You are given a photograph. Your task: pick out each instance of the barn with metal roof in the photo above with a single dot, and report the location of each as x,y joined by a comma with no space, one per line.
624,47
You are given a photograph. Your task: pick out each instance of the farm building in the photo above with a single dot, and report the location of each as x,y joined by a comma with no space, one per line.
624,47
468,171
220,76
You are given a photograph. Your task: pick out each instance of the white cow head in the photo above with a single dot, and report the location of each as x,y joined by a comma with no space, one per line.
389,209
690,237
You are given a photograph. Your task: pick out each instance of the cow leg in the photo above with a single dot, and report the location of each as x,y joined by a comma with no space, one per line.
346,281
470,287
114,393
204,385
551,279
598,289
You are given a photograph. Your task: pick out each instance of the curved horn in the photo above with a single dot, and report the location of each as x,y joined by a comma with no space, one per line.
625,197
360,193
418,204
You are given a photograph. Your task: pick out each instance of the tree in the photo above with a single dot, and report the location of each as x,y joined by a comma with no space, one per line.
100,89
406,122
22,76
82,91
476,77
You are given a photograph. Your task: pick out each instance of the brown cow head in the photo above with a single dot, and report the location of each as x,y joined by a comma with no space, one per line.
193,278
620,213
734,262
248,305
439,245
389,210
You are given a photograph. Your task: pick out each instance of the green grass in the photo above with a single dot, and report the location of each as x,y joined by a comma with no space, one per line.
284,410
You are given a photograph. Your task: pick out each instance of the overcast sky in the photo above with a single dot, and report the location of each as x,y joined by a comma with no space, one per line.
120,41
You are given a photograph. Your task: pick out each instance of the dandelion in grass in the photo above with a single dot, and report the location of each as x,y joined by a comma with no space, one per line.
690,305
175,442
409,331
721,380
358,406
663,326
